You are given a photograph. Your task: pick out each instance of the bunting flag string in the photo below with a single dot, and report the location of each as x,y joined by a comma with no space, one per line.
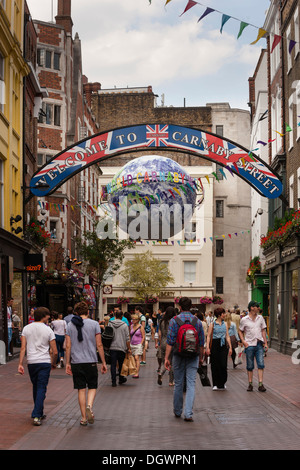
225,18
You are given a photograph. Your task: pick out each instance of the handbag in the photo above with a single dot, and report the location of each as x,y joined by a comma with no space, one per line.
234,342
202,371
239,355
132,366
125,367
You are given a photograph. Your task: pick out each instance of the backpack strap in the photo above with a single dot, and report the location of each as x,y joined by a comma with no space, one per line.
178,321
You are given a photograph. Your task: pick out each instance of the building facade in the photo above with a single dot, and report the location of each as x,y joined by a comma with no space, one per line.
200,268
279,248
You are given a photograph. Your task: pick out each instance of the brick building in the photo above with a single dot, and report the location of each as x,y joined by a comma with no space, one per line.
64,119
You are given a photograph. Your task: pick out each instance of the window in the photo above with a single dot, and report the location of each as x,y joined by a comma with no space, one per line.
49,59
219,130
219,248
2,83
219,285
296,22
291,191
289,58
191,235
189,271
53,229
42,159
219,173
291,123
219,208
50,114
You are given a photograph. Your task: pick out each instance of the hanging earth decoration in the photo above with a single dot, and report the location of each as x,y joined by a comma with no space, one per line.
153,197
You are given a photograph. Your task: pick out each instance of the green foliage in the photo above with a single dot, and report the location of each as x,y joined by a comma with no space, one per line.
104,257
147,275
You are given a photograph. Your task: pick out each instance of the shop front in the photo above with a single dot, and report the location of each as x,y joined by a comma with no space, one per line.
283,265
13,280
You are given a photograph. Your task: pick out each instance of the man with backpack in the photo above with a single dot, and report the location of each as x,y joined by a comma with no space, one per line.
186,337
118,348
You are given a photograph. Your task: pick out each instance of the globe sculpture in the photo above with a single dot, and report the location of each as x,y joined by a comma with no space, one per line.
153,197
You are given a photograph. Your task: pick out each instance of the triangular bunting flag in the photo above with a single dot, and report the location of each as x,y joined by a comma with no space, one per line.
261,33
168,1
207,12
207,179
225,18
292,45
276,41
242,27
190,4
261,142
288,128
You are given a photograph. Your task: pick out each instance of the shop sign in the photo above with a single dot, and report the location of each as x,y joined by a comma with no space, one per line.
33,263
166,294
288,254
107,289
272,259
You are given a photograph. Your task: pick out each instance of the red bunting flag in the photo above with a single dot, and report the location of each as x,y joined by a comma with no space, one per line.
190,4
276,41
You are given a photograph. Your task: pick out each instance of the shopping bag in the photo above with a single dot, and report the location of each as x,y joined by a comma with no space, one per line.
239,355
132,366
125,367
202,371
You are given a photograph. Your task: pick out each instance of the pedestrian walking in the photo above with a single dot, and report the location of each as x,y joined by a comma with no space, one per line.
69,315
38,342
137,340
218,347
59,326
31,316
162,336
83,340
142,319
118,348
9,325
233,335
187,356
252,332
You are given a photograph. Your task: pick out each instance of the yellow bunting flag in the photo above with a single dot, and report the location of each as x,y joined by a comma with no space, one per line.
207,179
261,33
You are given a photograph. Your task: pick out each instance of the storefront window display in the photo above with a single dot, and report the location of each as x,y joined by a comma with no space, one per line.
293,320
17,308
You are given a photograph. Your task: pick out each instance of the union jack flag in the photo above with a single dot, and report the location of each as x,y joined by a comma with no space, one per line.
157,135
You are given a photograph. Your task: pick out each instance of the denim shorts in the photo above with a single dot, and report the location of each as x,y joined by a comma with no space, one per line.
256,352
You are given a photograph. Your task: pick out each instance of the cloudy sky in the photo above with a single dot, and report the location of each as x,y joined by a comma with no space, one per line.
134,43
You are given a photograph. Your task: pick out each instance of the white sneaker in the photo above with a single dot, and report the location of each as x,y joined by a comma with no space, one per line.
215,388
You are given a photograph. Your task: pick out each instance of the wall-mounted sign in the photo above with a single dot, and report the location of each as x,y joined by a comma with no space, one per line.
238,160
107,289
33,263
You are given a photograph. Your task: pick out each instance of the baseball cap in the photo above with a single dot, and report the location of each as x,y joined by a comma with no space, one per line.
253,303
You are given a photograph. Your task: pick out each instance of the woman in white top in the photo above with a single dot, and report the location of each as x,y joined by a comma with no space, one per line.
59,327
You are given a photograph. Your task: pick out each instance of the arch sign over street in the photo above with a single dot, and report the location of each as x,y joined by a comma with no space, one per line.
151,137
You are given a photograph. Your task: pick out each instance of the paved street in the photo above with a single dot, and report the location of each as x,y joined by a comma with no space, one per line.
139,415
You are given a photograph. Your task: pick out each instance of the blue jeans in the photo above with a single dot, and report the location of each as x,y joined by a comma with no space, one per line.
60,347
256,352
39,376
9,338
184,367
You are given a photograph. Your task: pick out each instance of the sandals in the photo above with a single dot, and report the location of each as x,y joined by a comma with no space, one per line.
135,376
89,415
83,422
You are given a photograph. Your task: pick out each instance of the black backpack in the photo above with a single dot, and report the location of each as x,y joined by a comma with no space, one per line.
107,336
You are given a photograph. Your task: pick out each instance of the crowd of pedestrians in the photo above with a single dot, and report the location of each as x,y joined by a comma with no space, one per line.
184,338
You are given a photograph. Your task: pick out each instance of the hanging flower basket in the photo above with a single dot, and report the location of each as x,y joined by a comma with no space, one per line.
254,268
217,300
152,299
278,237
206,300
123,300
36,233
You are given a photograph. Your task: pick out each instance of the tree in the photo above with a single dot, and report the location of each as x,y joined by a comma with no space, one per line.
103,257
147,275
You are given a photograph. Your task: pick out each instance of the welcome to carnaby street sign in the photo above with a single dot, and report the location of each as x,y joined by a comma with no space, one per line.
99,147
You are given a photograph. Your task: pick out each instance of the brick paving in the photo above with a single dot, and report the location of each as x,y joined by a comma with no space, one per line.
139,414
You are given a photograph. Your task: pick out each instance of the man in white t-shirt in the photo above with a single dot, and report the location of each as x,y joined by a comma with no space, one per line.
38,340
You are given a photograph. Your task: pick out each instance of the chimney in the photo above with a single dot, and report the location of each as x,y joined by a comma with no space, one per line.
63,17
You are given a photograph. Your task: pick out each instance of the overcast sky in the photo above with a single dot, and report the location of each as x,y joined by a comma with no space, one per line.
134,43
